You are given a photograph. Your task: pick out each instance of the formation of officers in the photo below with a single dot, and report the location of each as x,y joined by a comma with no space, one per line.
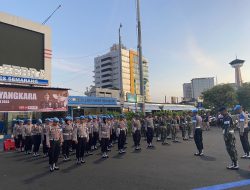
85,134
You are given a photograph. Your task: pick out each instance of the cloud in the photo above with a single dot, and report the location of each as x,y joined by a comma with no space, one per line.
69,66
198,56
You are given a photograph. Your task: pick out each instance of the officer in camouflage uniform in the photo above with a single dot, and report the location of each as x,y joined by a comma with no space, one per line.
229,138
169,121
163,126
189,125
174,124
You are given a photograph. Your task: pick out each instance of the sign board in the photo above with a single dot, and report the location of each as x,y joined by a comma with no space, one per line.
140,99
11,79
32,99
131,98
88,100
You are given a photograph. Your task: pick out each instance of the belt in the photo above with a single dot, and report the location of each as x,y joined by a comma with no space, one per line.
82,137
197,127
54,139
66,134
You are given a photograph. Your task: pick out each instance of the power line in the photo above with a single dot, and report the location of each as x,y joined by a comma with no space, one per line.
46,20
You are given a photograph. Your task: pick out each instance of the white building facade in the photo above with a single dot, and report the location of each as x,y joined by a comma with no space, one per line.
107,71
200,85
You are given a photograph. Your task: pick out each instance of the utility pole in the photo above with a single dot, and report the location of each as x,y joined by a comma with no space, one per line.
140,58
120,59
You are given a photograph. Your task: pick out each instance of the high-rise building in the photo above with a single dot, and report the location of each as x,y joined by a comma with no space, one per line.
107,71
187,91
200,85
237,64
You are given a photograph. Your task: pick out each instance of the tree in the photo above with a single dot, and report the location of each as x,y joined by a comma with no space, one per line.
218,96
244,96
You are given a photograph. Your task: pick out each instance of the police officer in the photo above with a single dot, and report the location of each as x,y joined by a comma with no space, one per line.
163,126
229,138
150,130
183,123
243,126
174,126
48,122
189,125
54,141
90,130
67,131
28,136
197,124
104,136
20,135
95,132
121,134
81,138
137,132
36,131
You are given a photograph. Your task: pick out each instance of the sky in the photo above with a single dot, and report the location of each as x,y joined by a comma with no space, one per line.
181,39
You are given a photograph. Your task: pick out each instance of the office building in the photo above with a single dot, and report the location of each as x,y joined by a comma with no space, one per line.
200,85
187,91
107,71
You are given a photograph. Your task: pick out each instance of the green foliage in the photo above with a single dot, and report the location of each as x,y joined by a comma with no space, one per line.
244,96
218,96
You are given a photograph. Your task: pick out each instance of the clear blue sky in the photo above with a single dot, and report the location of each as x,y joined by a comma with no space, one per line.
181,39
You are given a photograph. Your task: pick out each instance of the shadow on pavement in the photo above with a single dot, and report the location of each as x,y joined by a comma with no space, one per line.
208,158
99,161
118,156
72,167
36,177
244,173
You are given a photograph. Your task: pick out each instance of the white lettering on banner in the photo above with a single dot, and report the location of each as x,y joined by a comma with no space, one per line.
17,96
21,72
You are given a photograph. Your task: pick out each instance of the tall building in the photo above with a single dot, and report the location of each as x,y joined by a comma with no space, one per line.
200,85
187,91
107,71
237,64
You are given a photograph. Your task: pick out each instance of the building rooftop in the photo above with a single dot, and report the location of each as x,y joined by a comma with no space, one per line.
236,61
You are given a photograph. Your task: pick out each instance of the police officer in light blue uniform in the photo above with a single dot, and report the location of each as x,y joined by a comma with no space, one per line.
67,131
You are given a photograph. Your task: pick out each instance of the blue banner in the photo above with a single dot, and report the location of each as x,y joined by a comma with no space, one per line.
88,100
11,79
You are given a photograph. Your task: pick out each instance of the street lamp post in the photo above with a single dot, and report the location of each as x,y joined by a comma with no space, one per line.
120,59
140,58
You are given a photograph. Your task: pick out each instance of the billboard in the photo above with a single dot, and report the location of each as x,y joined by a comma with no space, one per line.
32,99
21,47
131,97
88,100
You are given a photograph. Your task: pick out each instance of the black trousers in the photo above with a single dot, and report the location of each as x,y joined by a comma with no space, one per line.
198,139
28,143
45,147
20,141
65,147
121,139
104,144
90,143
113,136
150,135
244,141
36,142
54,152
80,147
137,137
95,138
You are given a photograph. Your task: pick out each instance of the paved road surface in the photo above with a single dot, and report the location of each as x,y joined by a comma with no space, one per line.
171,167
